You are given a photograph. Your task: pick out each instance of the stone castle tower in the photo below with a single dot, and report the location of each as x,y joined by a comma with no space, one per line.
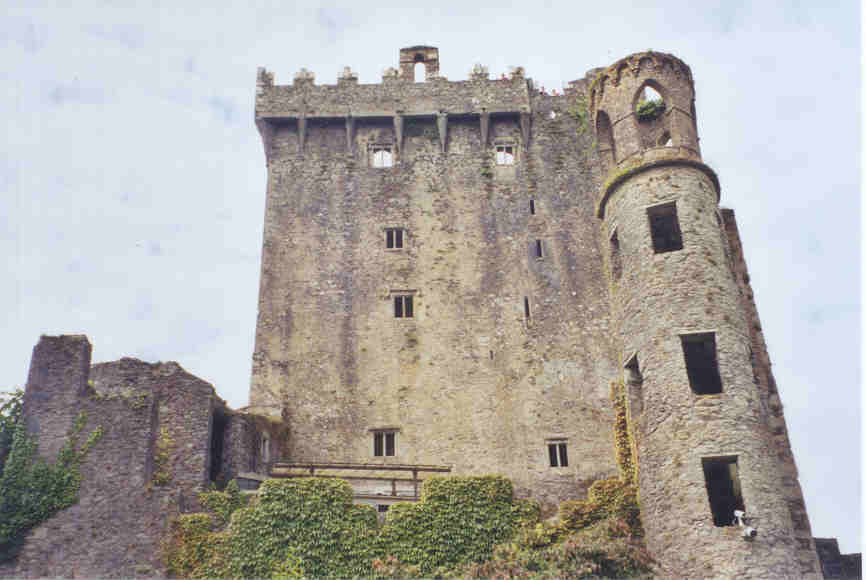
453,273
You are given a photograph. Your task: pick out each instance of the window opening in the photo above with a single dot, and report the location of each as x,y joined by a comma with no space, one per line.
218,431
266,448
650,94
526,307
384,443
381,156
665,140
632,371
504,155
665,228
403,306
394,238
539,253
382,508
531,207
702,365
420,72
558,454
721,475
615,257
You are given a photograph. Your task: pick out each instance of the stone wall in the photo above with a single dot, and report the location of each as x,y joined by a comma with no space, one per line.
661,298
116,528
469,381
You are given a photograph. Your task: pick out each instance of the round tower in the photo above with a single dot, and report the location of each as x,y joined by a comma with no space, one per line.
701,429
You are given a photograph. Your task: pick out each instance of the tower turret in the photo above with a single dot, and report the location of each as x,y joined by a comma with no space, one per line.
703,431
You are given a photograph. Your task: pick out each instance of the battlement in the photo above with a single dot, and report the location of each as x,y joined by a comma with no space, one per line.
398,93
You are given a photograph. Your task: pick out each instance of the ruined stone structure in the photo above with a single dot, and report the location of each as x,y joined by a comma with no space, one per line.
453,273
166,436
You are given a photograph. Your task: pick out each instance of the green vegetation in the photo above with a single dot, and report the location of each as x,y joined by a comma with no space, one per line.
10,412
650,110
463,527
162,459
31,489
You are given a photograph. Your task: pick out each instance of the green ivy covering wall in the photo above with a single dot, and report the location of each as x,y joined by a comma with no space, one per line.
309,527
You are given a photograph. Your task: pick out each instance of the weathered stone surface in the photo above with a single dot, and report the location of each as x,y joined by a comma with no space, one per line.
116,528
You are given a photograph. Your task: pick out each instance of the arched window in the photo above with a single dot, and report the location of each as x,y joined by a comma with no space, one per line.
604,132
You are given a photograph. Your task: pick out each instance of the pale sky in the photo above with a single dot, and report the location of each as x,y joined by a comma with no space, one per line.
133,178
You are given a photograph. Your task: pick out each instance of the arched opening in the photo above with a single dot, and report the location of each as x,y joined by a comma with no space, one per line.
604,133
420,69
665,140
649,102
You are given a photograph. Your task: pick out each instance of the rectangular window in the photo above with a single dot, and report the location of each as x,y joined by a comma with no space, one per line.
702,366
403,306
381,156
531,207
394,238
526,307
382,508
539,253
721,475
384,443
615,257
504,155
558,454
665,228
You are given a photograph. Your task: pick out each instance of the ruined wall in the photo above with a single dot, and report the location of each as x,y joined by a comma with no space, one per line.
469,381
116,528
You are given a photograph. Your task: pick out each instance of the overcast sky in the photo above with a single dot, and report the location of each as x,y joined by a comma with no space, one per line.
133,178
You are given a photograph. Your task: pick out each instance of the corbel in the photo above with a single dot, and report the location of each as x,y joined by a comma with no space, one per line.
442,124
398,130
525,118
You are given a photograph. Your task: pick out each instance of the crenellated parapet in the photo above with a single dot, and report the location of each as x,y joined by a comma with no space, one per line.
398,97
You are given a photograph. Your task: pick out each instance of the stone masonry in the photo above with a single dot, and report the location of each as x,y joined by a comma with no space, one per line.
533,249
115,530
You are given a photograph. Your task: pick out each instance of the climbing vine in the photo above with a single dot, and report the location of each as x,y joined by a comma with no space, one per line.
162,459
32,489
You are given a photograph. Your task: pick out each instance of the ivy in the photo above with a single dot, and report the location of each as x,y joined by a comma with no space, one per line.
162,459
10,413
308,527
223,503
32,490
649,110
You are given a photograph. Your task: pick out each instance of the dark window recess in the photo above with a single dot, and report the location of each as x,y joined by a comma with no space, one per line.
723,488
538,250
532,207
394,239
526,307
558,454
615,257
403,307
382,508
218,431
665,228
384,443
702,367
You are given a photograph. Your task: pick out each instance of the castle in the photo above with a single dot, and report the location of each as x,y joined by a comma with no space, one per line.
453,275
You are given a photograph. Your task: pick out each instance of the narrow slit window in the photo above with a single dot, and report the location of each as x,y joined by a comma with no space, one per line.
702,364
558,454
615,257
384,443
526,307
394,239
539,252
531,207
381,156
504,155
403,306
665,228
722,478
